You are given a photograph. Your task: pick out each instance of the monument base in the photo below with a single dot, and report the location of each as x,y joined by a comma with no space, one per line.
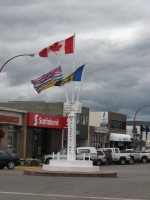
73,166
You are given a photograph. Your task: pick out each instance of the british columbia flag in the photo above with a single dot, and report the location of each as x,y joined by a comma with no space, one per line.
54,75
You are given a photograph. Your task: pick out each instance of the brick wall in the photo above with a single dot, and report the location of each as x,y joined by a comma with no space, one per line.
36,107
117,117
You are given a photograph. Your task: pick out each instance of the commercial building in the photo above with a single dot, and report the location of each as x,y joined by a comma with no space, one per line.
141,137
108,129
13,128
40,128
33,128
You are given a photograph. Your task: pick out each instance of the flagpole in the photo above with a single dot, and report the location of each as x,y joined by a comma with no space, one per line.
66,93
64,87
73,67
81,81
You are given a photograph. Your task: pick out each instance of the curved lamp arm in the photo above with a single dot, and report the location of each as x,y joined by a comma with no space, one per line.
134,125
15,57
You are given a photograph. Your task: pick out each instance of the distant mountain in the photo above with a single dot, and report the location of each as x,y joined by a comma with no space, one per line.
138,123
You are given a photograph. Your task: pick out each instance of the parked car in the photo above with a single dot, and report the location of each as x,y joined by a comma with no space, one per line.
108,157
148,151
101,158
144,156
90,153
135,156
8,160
118,157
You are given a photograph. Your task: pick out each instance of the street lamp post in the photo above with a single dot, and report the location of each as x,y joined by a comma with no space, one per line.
134,124
15,57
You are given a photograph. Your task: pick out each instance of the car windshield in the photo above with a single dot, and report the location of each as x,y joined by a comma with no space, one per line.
63,152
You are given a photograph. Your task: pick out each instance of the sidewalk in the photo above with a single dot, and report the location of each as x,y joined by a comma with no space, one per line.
22,167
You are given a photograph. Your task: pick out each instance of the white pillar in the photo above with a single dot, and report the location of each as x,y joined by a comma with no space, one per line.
71,146
148,136
143,138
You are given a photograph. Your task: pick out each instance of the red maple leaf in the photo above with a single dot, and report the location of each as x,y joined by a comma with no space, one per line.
55,47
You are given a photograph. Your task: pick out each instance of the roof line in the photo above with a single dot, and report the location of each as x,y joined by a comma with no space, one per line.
13,110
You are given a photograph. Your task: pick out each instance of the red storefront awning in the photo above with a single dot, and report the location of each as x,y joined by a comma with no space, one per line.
47,121
9,119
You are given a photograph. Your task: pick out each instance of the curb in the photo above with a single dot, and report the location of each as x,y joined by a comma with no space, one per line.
98,174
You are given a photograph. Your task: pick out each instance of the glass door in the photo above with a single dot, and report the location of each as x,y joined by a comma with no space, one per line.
12,144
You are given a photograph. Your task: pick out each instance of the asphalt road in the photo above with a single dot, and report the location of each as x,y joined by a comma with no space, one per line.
132,182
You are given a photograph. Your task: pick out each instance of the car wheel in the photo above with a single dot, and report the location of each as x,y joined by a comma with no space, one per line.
144,160
131,161
122,161
11,165
48,161
99,162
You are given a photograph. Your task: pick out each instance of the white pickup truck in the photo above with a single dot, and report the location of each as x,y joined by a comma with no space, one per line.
144,156
135,156
117,156
87,153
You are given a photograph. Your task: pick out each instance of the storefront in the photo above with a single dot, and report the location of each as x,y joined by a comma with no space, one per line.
52,109
44,134
112,122
97,136
12,123
121,141
42,128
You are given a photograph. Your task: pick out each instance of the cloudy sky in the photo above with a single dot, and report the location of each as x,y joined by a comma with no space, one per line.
112,35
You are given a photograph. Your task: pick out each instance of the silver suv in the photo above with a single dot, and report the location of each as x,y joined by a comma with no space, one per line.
101,157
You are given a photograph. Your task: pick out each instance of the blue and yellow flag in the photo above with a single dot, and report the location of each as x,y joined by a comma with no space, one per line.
74,76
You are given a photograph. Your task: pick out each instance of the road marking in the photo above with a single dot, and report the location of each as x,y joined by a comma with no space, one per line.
66,196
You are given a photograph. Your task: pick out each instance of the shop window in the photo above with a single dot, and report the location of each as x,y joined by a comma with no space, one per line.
96,141
117,124
84,120
12,145
77,118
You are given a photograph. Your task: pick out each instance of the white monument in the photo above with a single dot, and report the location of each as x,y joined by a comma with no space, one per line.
71,164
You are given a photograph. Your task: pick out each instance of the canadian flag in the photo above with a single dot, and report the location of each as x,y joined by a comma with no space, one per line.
59,48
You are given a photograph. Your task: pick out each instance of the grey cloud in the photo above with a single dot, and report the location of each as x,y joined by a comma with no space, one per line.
112,35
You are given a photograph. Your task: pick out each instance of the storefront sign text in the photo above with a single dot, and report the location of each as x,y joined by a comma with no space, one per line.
9,119
41,120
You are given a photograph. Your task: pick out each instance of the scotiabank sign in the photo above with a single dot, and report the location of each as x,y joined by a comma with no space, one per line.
46,121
